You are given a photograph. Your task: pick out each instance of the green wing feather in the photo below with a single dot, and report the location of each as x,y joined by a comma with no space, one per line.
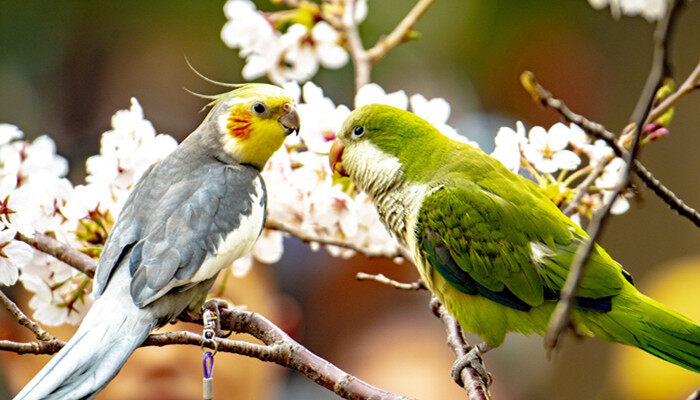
507,242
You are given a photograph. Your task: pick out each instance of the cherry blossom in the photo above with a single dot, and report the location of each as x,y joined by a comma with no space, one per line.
547,149
294,54
9,133
321,117
652,10
508,146
13,256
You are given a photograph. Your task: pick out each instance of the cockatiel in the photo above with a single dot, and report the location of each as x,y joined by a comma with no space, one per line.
189,216
489,244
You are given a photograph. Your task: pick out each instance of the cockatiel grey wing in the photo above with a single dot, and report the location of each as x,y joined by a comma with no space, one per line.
178,236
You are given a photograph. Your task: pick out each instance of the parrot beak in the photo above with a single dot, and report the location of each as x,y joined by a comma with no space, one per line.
335,157
290,120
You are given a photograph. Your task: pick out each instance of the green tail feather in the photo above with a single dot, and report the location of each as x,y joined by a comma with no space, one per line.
639,321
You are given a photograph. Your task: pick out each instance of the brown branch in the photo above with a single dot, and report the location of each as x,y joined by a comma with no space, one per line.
583,187
544,97
401,33
278,348
363,59
23,320
418,285
560,318
49,347
284,351
61,251
278,226
472,381
690,84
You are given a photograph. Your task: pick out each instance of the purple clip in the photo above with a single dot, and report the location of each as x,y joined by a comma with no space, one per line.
210,368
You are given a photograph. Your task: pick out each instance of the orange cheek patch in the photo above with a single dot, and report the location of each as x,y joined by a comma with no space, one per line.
239,124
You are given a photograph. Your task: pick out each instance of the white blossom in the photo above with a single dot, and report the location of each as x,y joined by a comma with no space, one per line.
269,247
126,151
13,256
652,10
242,265
612,174
577,136
357,15
321,117
32,160
508,146
598,152
372,93
547,149
295,54
8,133
621,204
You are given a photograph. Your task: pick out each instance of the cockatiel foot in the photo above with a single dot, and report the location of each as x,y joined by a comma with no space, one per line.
216,306
474,361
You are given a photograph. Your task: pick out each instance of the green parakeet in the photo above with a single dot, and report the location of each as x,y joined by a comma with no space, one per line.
489,244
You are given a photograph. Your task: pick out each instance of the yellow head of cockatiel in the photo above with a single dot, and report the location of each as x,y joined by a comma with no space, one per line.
253,121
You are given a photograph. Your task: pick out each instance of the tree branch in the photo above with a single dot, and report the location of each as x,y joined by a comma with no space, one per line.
418,285
544,97
278,226
363,59
471,380
278,348
690,84
561,316
23,320
401,33
61,251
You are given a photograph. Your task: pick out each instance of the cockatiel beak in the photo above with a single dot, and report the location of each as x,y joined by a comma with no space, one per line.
335,157
290,120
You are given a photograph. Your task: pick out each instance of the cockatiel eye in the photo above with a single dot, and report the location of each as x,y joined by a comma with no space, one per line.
259,108
358,131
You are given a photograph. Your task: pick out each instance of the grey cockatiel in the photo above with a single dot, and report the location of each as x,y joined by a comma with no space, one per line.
189,216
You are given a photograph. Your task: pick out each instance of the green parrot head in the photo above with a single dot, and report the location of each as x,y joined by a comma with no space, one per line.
378,139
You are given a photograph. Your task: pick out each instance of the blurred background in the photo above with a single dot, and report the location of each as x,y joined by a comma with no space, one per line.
67,66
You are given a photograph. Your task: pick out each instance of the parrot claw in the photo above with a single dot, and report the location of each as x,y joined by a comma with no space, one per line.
215,306
473,360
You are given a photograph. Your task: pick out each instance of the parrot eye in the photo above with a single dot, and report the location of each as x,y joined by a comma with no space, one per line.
259,108
358,131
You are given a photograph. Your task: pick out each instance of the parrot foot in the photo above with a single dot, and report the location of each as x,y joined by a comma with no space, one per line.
474,361
215,306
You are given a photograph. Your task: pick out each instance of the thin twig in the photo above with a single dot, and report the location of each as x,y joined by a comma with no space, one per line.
544,97
418,285
23,320
360,59
560,318
61,251
665,194
278,226
474,384
401,33
363,59
582,187
690,84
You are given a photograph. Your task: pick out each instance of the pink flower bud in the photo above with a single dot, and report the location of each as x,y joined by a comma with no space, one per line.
658,134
